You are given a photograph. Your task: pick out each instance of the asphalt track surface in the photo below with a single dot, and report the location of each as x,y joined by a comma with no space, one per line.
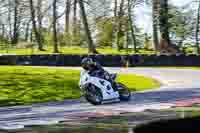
177,85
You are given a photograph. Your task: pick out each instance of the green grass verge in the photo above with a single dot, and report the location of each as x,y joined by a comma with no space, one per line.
71,50
27,85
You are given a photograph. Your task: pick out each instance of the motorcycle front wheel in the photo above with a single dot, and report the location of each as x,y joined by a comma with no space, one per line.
124,93
93,95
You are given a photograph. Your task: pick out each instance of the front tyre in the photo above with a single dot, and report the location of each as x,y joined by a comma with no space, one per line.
93,95
124,93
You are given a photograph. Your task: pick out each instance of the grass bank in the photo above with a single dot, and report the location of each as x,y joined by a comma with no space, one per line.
27,85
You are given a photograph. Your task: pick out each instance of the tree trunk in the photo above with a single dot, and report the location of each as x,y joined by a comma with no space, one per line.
155,17
115,8
75,18
197,30
15,26
131,26
27,31
39,18
67,21
164,26
91,47
3,30
37,35
120,33
127,42
67,15
74,32
55,39
115,22
9,20
31,35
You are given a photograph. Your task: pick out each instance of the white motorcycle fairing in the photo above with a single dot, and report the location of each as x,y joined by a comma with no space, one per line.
105,86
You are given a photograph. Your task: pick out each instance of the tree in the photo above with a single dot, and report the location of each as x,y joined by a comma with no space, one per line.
34,25
197,29
67,21
105,31
181,23
120,33
115,8
91,47
75,24
9,19
155,18
27,32
55,37
75,18
40,18
67,16
165,44
164,25
15,25
130,23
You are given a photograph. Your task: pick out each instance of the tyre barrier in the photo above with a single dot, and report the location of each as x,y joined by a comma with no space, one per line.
105,60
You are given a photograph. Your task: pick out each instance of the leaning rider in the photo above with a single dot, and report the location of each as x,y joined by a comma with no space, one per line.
95,69
92,67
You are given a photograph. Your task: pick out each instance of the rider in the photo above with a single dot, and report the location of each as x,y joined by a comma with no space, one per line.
91,66
95,69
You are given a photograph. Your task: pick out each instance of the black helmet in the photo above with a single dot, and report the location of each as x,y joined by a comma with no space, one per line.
86,62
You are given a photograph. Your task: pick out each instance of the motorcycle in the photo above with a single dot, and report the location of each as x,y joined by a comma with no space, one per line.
98,90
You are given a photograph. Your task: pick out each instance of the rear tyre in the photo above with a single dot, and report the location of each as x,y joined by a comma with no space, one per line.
93,95
124,93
